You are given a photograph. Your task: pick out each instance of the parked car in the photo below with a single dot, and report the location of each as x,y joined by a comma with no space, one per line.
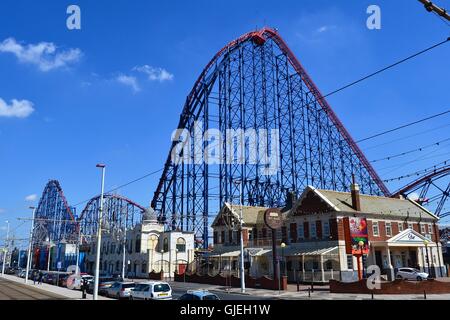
120,290
151,290
198,295
411,274
75,282
103,284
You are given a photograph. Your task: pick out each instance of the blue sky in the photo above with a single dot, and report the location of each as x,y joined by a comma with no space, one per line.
112,92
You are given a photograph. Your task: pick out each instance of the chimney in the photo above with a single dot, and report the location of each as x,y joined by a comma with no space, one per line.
356,202
291,198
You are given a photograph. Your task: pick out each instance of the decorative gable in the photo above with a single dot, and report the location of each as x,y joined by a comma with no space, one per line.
409,236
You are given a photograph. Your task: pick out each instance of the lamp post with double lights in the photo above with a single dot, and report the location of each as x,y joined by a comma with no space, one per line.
99,234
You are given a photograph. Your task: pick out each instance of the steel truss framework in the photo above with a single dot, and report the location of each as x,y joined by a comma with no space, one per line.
433,190
119,214
254,83
55,220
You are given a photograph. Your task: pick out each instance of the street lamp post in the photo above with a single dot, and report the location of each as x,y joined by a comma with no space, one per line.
29,245
99,234
241,269
78,249
283,245
124,242
6,249
162,258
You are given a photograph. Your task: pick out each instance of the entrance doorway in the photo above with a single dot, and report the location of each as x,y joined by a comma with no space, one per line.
378,259
412,261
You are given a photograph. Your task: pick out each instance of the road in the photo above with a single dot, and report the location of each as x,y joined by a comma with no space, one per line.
179,289
10,290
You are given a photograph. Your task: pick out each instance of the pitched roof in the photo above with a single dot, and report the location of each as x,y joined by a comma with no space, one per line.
342,201
250,215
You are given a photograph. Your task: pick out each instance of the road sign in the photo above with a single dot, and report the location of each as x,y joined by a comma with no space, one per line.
58,265
273,218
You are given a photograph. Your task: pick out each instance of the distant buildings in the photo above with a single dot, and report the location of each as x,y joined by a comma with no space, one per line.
401,233
147,248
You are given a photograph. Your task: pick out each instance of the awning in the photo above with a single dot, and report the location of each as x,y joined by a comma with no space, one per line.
226,254
295,252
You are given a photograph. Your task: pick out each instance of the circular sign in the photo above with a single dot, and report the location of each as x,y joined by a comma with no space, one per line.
273,218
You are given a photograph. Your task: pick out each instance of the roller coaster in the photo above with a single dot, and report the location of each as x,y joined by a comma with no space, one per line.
254,84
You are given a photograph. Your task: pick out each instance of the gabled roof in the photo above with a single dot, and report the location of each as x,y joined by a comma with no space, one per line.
251,216
342,201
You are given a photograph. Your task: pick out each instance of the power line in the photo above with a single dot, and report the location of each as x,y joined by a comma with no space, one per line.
405,125
124,185
411,151
417,172
407,137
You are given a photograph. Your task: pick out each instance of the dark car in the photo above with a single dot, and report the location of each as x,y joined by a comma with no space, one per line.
103,284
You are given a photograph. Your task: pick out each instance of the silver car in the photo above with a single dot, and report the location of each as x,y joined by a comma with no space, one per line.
411,274
120,290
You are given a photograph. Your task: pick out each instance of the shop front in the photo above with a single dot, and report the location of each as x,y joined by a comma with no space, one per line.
407,249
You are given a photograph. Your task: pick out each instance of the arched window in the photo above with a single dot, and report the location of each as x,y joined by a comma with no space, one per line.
137,245
152,242
181,245
166,245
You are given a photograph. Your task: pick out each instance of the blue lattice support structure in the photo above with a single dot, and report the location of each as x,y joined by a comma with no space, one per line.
55,219
256,83
119,213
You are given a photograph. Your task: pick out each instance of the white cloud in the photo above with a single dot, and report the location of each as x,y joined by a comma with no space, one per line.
325,28
154,73
129,81
17,108
45,55
2,210
31,197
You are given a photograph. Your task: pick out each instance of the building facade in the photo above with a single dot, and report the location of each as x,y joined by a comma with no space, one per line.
145,248
311,244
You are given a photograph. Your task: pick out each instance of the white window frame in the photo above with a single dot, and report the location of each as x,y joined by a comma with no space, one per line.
400,227
410,226
388,224
375,223
430,228
422,228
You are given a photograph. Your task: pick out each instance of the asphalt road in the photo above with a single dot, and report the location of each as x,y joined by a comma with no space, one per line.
10,290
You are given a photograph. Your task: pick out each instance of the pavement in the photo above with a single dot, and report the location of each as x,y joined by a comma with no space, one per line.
319,293
14,288
11,283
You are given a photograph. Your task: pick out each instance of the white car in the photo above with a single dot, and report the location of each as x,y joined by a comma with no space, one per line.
411,274
151,290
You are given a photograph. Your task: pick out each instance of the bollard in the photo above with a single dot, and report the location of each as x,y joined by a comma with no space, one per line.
372,295
309,293
424,295
312,286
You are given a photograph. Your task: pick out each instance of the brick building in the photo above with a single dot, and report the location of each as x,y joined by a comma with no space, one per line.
401,233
